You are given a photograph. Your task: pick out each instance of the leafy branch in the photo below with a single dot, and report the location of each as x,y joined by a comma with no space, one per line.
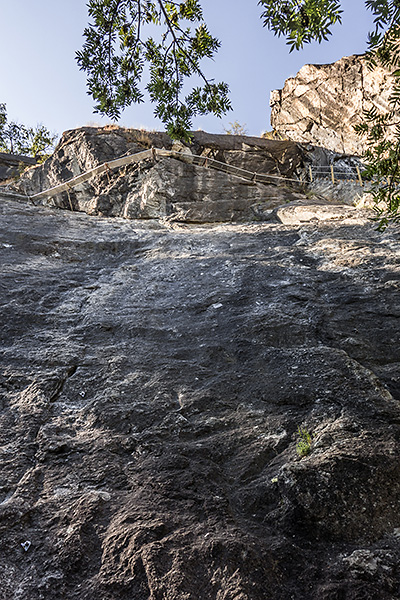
172,39
380,128
301,21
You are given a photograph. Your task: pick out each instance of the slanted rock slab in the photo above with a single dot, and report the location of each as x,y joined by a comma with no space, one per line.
153,379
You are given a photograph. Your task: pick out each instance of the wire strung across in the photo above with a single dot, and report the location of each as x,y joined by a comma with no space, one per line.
202,161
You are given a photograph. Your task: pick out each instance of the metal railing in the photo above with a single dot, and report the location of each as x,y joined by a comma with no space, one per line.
328,172
315,173
152,154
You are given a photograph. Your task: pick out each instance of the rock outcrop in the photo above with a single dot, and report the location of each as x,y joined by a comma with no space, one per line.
153,380
169,188
322,103
10,165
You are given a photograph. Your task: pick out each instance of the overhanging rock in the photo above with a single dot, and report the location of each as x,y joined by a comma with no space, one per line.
10,164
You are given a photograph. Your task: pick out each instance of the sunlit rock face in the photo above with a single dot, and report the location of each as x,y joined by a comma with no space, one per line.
155,370
322,103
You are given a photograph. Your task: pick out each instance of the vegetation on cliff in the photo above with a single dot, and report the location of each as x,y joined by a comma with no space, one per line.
16,138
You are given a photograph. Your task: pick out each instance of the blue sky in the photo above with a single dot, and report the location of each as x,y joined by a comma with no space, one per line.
40,81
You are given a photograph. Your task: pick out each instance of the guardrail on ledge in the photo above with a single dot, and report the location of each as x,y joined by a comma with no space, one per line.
153,153
315,173
352,174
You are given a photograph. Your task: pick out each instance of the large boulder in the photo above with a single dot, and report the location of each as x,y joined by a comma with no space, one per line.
169,187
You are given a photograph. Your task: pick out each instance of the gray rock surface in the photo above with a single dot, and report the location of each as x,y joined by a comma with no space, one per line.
10,165
170,188
322,103
153,378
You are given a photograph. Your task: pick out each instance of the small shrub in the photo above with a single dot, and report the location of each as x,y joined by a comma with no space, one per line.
304,442
236,128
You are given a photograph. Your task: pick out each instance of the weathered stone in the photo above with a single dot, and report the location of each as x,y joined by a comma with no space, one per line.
322,103
348,192
300,212
153,378
168,188
10,165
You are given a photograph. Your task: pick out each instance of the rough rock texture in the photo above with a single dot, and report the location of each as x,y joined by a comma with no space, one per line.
342,192
152,383
169,188
322,103
10,164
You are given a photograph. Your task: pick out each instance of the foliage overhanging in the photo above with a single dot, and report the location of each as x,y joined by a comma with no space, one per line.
172,39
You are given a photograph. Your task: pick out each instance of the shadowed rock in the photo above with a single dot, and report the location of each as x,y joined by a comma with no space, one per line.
153,380
11,165
169,188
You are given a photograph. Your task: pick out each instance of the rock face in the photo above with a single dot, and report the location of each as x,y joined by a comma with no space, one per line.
170,188
322,103
153,380
10,164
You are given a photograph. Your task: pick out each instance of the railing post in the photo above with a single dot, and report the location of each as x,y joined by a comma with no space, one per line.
69,197
332,175
359,176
